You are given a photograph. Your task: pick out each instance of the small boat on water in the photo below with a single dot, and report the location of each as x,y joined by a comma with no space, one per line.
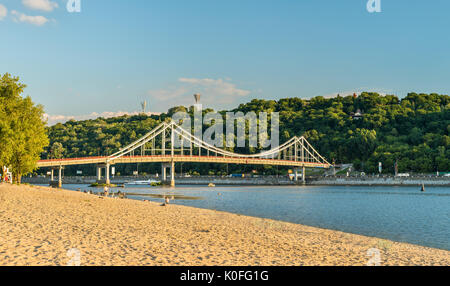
148,182
423,188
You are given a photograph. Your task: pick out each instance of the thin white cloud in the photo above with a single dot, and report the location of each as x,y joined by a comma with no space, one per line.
42,5
54,119
3,12
33,20
215,93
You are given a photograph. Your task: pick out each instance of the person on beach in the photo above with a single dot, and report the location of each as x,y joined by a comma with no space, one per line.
106,191
166,201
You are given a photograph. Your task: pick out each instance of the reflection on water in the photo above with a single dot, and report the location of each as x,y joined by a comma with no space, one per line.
396,213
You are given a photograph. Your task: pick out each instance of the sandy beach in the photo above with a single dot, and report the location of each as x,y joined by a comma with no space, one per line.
43,226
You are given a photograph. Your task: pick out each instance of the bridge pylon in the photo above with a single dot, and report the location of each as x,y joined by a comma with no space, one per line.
99,173
171,166
53,183
304,175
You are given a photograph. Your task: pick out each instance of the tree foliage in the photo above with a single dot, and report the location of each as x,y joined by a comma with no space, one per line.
57,151
23,135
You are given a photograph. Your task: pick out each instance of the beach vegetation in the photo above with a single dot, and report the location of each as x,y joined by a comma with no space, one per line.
23,133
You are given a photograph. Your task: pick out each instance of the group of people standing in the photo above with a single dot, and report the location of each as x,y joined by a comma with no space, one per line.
5,176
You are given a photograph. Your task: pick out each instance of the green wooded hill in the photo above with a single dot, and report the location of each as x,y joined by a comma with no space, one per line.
413,130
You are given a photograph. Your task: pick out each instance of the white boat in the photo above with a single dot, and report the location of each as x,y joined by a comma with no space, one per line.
149,182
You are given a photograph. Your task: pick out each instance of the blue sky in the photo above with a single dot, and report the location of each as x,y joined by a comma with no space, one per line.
116,53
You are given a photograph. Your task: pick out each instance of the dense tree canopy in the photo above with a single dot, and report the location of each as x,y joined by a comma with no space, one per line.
22,130
414,130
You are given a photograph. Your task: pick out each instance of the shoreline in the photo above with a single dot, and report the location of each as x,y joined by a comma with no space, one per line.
40,225
268,181
261,217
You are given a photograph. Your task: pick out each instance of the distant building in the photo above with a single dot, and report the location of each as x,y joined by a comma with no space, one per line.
357,115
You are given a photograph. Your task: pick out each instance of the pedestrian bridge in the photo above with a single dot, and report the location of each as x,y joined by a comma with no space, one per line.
158,146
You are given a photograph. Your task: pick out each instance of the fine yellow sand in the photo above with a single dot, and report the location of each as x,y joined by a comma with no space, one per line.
40,226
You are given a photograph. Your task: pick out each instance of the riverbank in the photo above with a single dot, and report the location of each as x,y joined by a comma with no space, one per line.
200,180
266,181
39,225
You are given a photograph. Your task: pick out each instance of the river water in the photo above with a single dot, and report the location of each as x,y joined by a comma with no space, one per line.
403,214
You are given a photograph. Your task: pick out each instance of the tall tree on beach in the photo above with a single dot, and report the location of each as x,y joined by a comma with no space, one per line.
5,137
10,90
23,134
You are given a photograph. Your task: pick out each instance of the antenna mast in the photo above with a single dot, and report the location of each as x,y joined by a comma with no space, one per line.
144,106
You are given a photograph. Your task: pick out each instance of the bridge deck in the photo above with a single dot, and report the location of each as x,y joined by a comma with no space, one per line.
177,158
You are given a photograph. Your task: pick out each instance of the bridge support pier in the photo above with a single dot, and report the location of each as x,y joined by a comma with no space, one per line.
304,175
60,177
164,167
172,174
99,173
53,183
108,180
163,172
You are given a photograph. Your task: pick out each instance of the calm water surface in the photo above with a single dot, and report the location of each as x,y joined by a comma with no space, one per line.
396,213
